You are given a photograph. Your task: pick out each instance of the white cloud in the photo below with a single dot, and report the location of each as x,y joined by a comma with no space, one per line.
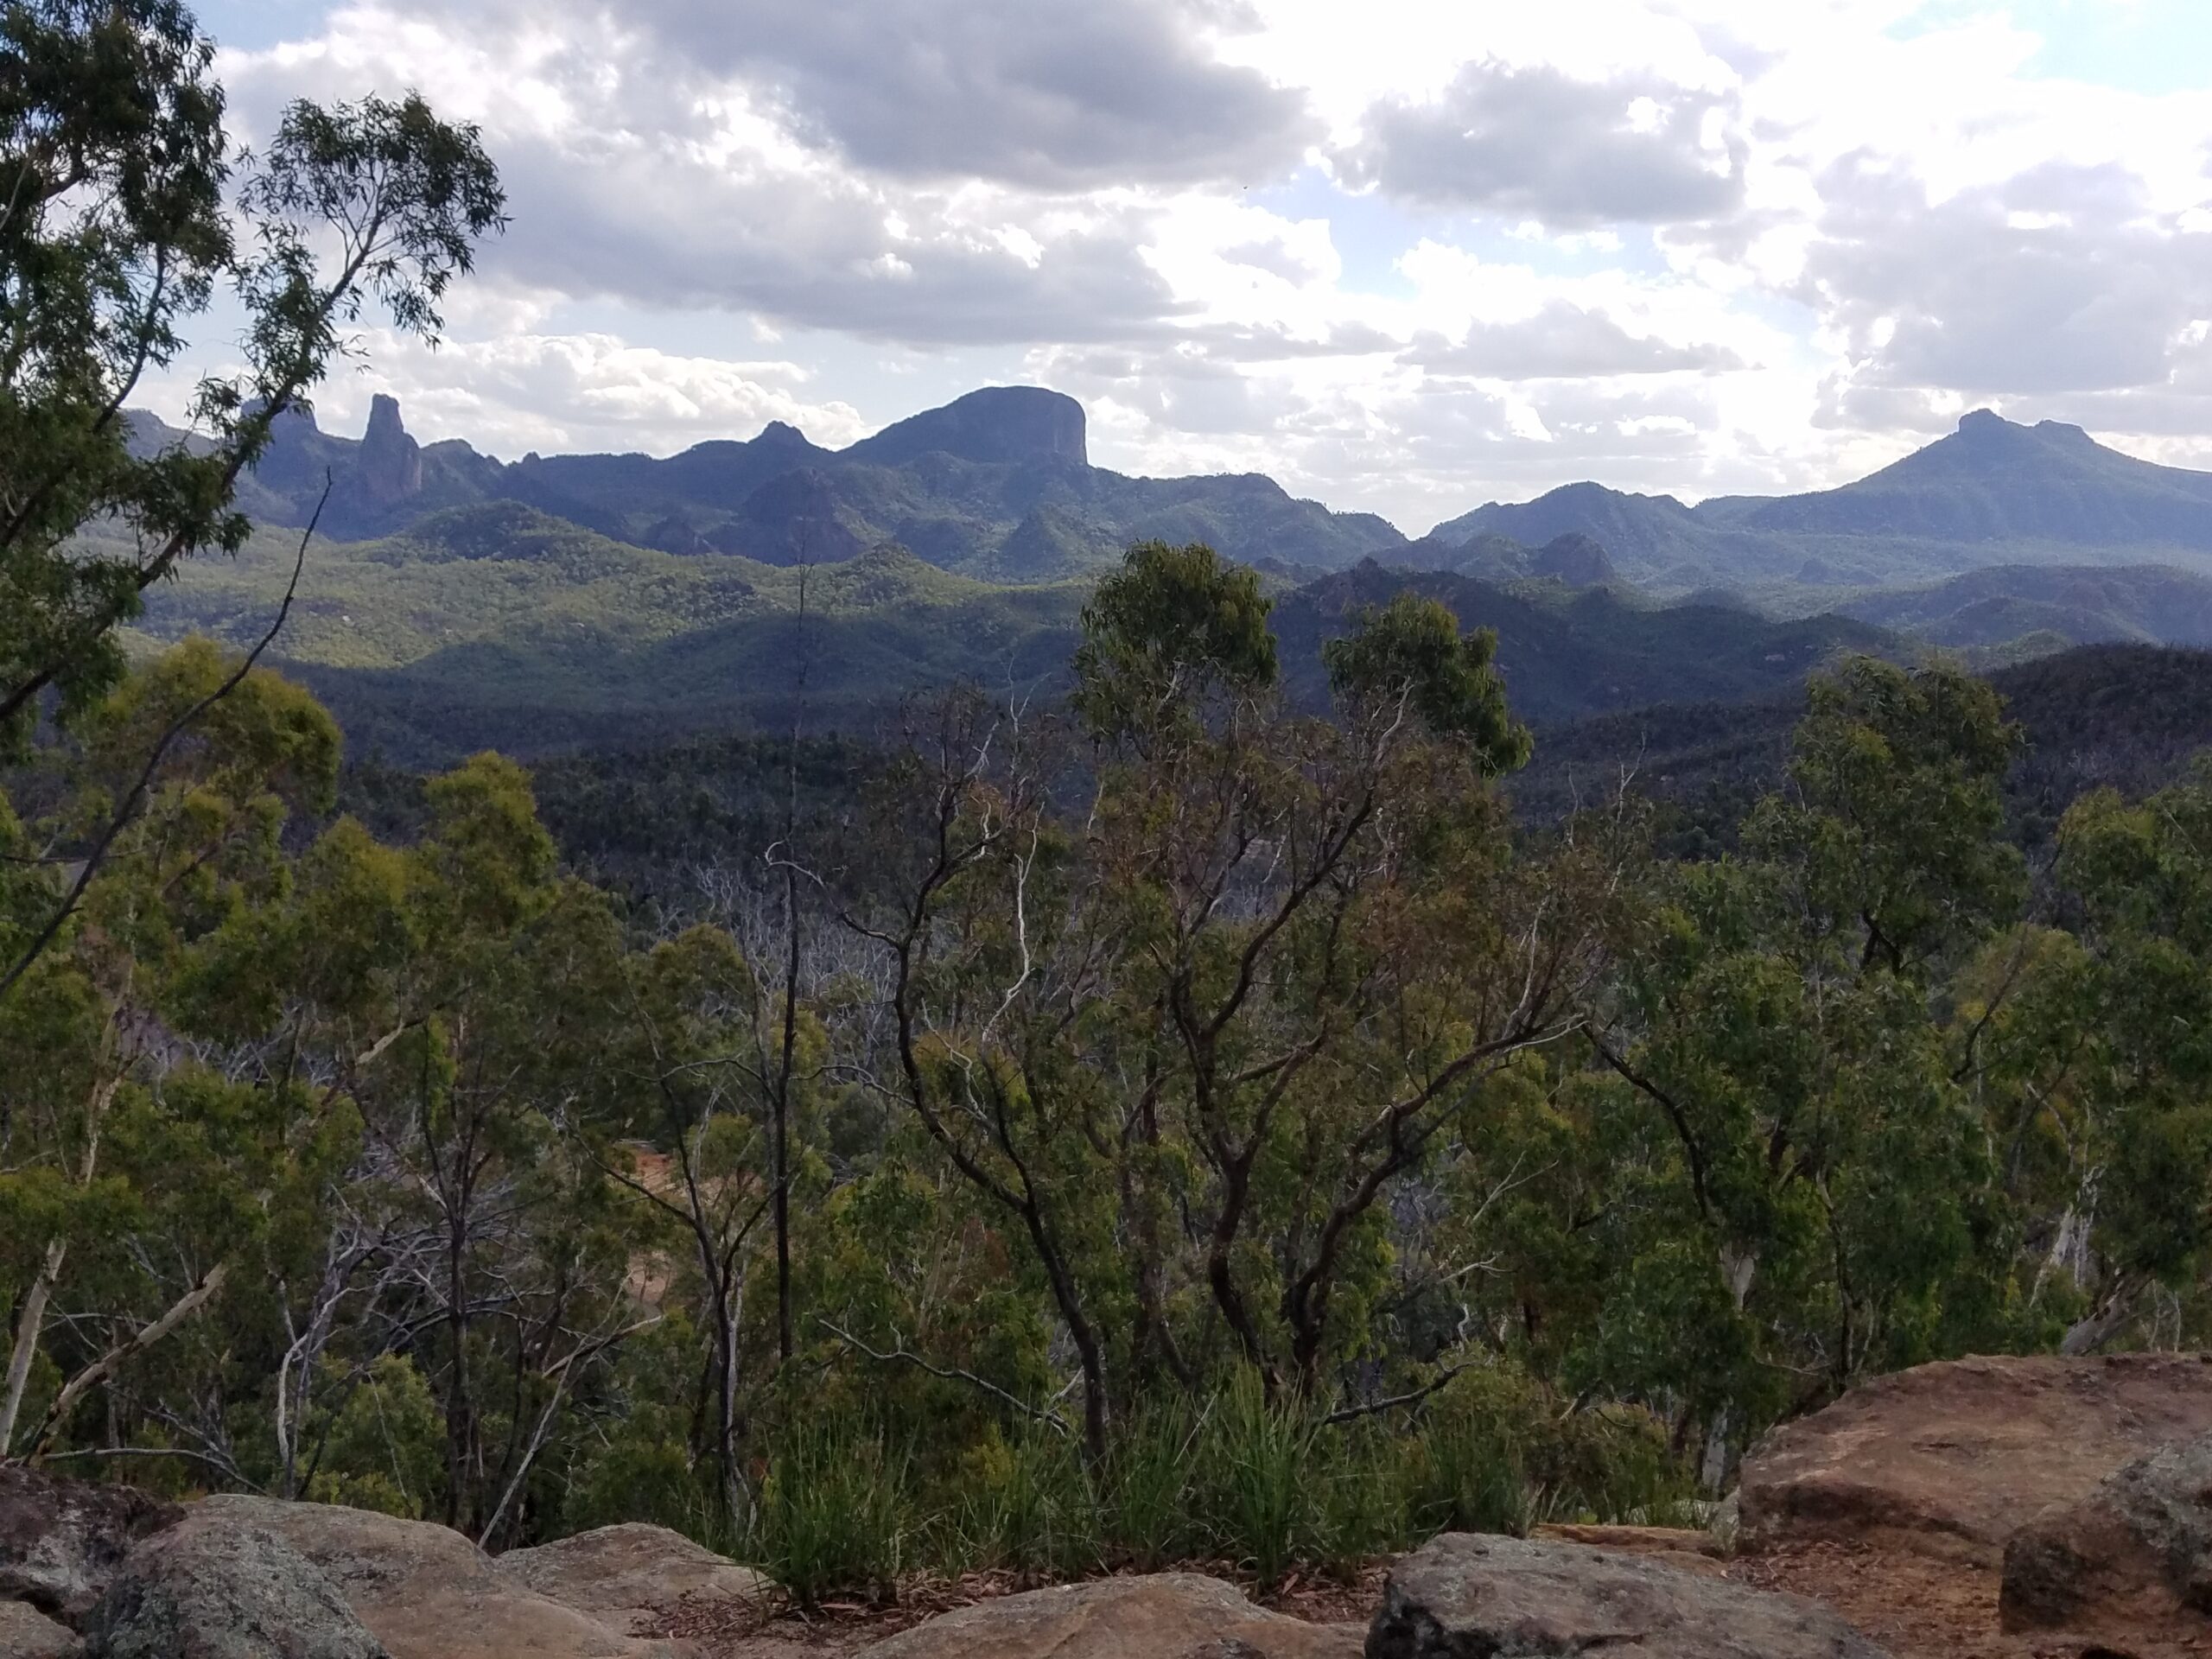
1569,152
1682,245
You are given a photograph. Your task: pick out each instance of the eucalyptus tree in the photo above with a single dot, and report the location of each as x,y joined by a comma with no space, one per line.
102,1064
126,211
1821,1202
2089,1047
1187,1036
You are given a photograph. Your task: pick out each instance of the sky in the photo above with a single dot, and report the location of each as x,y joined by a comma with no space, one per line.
1405,256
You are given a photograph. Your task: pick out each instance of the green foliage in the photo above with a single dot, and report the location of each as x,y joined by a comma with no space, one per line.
1026,1503
1163,635
1261,1487
1147,1484
382,1448
1411,652
834,1514
111,129
1895,827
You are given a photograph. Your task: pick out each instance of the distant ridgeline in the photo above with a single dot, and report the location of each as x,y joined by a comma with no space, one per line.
996,484
1992,492
559,601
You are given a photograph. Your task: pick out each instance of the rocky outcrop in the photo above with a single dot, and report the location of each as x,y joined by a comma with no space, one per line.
629,1574
2128,1568
1464,1597
206,1589
389,464
426,1591
1951,1459
26,1633
1165,1616
61,1540
996,424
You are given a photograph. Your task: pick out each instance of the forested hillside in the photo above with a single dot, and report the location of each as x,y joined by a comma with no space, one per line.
499,626
2126,717
2080,604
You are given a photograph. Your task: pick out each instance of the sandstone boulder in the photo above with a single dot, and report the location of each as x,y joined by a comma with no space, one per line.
1461,1596
208,1590
427,1592
60,1540
26,1633
2129,1565
629,1573
1162,1615
1949,1459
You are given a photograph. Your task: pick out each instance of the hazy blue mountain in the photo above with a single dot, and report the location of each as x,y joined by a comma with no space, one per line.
1644,533
1993,481
997,484
1992,492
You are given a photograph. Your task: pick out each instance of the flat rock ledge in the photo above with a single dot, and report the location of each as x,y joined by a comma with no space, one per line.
1466,1597
1949,1459
426,1591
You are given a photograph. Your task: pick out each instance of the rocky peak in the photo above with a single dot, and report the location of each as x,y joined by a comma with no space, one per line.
782,433
391,461
997,424
1984,432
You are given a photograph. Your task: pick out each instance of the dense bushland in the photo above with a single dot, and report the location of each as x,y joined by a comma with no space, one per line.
1166,1127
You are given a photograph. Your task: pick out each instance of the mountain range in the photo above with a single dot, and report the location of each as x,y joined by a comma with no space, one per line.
997,484
1992,492
461,599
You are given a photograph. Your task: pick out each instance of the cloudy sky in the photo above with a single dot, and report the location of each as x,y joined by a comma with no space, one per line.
1405,255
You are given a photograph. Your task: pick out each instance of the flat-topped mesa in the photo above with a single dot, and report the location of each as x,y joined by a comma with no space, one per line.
997,424
391,461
